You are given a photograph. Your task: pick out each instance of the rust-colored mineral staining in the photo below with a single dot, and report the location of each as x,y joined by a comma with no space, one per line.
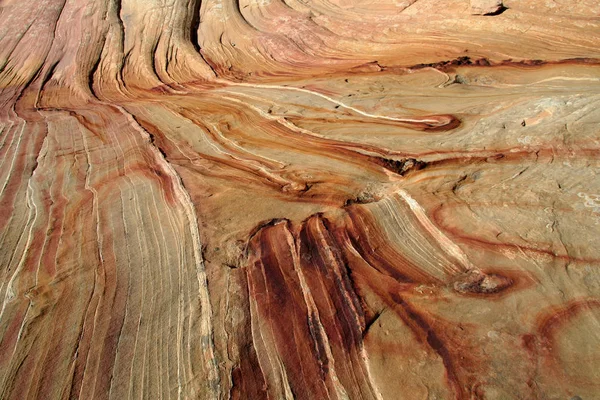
284,199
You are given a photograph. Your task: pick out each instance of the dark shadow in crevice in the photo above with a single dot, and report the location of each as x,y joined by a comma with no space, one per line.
195,24
497,12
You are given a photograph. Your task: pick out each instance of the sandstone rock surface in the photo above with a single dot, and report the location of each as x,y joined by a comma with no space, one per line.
277,199
486,7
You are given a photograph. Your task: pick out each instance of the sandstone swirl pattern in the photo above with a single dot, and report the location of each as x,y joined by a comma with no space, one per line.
277,199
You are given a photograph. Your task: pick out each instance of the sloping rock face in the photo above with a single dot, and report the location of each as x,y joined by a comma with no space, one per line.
486,7
278,199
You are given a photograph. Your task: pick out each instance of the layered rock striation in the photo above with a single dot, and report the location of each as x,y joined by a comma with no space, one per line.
299,199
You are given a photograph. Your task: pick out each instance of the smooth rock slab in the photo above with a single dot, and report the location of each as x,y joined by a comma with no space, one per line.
486,7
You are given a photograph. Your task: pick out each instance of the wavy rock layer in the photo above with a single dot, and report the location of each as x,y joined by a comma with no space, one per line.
299,199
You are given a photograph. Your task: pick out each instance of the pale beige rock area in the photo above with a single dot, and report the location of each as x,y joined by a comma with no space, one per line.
486,7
